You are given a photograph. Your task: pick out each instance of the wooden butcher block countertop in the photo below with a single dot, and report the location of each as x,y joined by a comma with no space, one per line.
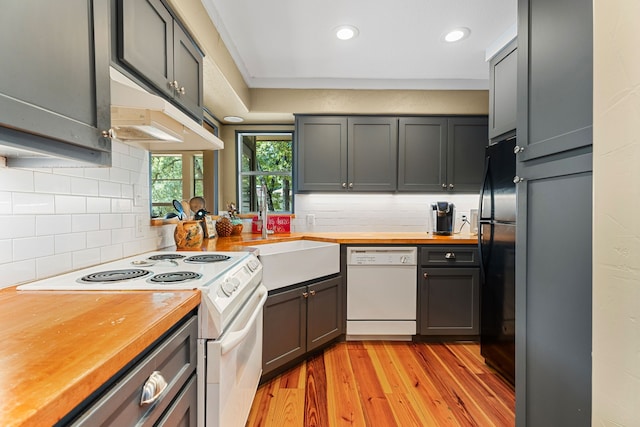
233,243
56,348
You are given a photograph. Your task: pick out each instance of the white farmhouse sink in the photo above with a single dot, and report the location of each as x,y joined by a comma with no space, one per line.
288,263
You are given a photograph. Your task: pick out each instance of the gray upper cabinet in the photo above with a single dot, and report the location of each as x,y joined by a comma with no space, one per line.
153,45
55,90
555,76
346,154
467,138
503,97
441,153
372,150
422,146
321,153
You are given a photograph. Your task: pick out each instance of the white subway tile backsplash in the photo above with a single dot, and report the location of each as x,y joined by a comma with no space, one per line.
70,204
32,247
110,221
85,222
109,189
70,242
52,224
85,258
127,191
17,226
96,239
50,183
14,273
6,251
122,235
110,253
121,205
119,175
98,205
84,186
101,174
53,265
5,202
33,203
16,180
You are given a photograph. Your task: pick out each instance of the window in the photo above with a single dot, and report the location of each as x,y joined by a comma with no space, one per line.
265,158
178,176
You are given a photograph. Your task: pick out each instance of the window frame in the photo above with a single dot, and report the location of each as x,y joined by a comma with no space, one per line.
240,174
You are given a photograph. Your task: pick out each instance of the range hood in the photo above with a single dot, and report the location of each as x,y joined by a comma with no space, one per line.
140,117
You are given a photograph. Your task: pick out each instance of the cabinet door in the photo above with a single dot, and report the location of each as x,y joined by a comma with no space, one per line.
450,301
555,76
285,328
324,312
187,64
422,143
553,293
183,410
146,44
467,138
321,151
372,153
503,88
55,90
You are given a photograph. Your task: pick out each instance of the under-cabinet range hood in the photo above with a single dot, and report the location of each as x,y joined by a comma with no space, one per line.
140,117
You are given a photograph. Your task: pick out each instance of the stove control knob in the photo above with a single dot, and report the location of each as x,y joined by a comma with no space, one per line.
228,287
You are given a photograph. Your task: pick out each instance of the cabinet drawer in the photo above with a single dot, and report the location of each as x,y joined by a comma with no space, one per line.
452,255
174,358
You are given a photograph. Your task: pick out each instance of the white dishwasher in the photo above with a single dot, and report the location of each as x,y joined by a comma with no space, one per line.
381,292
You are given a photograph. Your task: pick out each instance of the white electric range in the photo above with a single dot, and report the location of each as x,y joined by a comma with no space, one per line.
229,317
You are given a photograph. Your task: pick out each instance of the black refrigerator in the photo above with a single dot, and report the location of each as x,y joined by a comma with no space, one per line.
497,245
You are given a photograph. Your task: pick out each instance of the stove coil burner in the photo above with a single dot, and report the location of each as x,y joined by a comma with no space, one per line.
175,277
206,258
161,257
115,275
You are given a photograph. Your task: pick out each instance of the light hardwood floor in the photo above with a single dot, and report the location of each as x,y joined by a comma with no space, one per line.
387,384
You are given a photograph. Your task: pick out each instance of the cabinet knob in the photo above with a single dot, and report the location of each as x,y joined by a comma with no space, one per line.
344,185
305,294
444,185
152,388
450,255
425,275
517,149
351,185
110,133
181,90
517,179
451,186
173,84
312,293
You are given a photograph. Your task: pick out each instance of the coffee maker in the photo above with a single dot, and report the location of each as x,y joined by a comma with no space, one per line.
443,215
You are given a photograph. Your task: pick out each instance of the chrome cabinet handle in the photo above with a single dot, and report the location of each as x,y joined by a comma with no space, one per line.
344,185
451,186
312,293
173,84
305,294
351,185
450,255
181,90
444,185
517,149
153,388
110,133
517,179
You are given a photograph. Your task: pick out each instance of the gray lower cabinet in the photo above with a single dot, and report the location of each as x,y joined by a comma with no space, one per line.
55,87
153,44
503,91
346,153
300,320
449,291
119,404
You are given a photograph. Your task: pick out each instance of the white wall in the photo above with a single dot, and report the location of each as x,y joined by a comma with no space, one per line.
374,212
616,241
57,220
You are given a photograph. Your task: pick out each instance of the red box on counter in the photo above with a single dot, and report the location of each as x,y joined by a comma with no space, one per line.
277,223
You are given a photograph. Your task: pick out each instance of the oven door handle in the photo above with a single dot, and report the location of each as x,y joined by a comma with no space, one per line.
235,338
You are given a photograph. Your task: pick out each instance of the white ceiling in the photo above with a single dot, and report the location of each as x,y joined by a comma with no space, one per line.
291,43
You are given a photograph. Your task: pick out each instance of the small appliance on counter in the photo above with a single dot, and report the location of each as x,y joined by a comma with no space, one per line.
443,216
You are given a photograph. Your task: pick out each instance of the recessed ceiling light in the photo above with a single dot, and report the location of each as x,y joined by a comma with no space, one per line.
233,119
456,34
346,32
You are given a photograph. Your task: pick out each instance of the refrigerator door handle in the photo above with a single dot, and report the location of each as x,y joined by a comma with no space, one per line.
485,179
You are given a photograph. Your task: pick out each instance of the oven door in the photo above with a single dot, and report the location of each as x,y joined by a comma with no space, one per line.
234,366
